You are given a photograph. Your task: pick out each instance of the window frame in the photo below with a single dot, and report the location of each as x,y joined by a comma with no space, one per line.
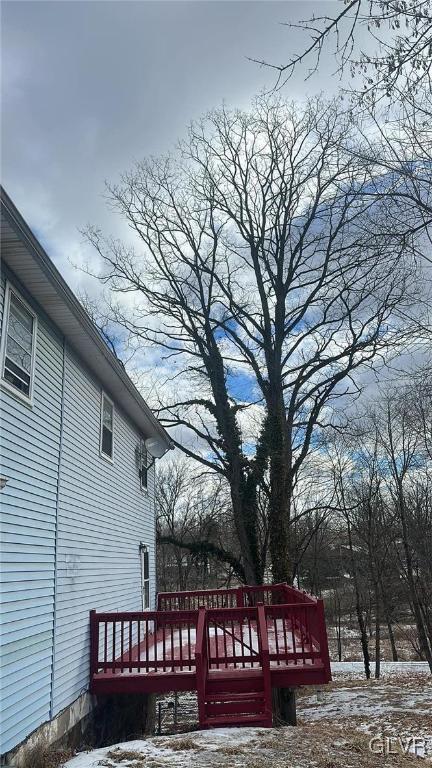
143,551
104,455
143,449
11,290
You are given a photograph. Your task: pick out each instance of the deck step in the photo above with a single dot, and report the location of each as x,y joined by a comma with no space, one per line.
234,696
235,674
230,681
231,708
235,720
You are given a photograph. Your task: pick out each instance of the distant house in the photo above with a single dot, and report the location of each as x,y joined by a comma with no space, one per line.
77,498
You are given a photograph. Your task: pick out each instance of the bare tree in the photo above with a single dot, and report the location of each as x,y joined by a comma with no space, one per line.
389,492
269,277
404,450
196,544
399,32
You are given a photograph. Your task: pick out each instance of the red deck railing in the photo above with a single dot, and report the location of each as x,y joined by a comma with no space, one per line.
206,598
276,630
235,597
149,641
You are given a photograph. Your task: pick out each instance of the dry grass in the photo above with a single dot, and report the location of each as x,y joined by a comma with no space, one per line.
132,759
320,746
121,755
137,762
181,745
235,750
41,755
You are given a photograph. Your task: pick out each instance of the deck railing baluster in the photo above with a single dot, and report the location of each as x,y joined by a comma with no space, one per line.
284,620
130,644
240,630
172,648
189,645
216,637
113,645
225,642
121,642
250,639
276,639
293,631
105,656
302,637
307,634
234,644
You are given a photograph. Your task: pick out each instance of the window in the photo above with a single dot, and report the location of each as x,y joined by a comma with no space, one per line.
107,427
145,576
18,345
143,469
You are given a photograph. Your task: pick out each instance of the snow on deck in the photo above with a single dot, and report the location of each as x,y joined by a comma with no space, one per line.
179,645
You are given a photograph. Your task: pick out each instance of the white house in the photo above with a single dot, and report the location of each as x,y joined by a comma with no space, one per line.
77,498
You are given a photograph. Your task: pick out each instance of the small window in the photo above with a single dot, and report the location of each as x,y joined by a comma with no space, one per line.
143,469
107,427
145,576
18,345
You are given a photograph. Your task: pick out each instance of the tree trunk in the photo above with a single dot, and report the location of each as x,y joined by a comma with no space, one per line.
389,626
358,607
377,637
363,637
421,630
387,613
280,494
392,641
339,632
245,521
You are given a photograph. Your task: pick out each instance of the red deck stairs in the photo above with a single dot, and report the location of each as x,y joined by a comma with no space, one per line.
228,707
239,696
232,646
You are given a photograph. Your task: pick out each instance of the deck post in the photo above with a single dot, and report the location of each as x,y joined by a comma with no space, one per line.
240,597
201,662
322,630
284,700
94,644
265,660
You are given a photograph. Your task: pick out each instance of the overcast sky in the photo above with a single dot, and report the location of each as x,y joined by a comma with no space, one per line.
89,87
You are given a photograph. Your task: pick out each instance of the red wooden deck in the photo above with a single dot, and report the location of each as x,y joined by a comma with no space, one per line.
231,646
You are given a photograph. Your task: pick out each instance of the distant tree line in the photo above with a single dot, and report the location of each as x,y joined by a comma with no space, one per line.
369,552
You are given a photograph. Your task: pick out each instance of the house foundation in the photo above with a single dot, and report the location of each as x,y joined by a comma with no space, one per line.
89,722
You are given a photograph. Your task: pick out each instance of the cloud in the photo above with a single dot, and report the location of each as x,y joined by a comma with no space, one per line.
88,88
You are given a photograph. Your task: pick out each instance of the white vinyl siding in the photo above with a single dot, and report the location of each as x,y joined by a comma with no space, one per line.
72,524
30,448
102,518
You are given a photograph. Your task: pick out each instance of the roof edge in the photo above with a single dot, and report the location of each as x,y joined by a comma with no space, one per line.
87,324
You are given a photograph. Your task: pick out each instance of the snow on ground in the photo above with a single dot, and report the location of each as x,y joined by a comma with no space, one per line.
335,728
355,669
